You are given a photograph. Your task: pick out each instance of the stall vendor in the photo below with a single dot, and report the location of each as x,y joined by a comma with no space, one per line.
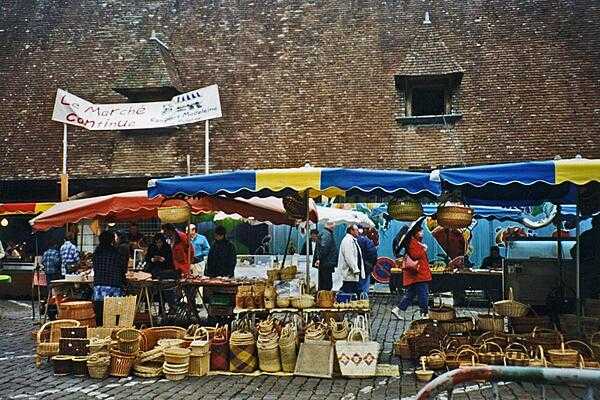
109,273
221,259
159,259
494,260
69,254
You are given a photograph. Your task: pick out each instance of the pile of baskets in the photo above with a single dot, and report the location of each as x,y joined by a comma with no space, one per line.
267,345
177,362
200,354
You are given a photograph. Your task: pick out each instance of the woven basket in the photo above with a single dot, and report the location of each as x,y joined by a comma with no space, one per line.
242,349
315,331
458,325
219,350
177,355
491,353
357,355
563,357
199,365
490,322
339,330
268,356
151,336
129,340
538,359
510,307
402,348
517,355
303,301
121,363
405,209
454,216
547,338
441,312
174,214
436,359
585,351
283,302
151,369
98,365
325,298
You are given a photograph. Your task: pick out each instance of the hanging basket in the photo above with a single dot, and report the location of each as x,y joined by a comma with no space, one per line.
174,214
405,209
454,215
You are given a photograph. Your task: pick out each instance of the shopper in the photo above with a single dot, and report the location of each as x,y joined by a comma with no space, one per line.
109,273
416,273
183,253
69,255
159,259
222,256
123,246
200,243
52,262
369,257
326,257
350,262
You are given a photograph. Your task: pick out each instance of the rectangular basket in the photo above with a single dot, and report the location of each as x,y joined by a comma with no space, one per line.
357,359
315,359
73,347
78,332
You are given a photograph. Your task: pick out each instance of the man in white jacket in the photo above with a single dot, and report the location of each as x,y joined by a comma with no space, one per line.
350,262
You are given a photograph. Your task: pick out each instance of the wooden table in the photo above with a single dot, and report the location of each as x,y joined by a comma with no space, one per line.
69,285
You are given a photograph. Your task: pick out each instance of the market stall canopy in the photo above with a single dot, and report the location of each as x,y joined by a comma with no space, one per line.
282,182
23,208
523,183
132,206
498,213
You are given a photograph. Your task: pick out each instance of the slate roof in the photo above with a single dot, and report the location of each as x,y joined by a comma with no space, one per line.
301,82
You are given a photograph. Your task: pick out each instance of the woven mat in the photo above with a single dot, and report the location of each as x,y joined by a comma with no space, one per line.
385,370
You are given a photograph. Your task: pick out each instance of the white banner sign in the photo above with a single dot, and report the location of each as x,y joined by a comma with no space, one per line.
187,108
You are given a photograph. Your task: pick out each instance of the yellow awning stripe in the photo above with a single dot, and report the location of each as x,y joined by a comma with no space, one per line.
578,171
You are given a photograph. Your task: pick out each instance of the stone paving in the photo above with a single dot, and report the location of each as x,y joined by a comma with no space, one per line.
20,379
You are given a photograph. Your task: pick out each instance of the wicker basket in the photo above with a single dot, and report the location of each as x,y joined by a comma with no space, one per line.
151,369
98,365
129,340
585,351
468,357
287,348
490,322
268,356
537,358
454,216
563,357
402,348
517,355
151,336
458,325
510,307
283,302
174,214
436,359
441,312
177,355
121,363
199,365
303,301
339,330
325,298
491,353
406,209
547,338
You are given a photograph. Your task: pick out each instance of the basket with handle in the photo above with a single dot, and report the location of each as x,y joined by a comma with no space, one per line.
468,357
458,325
441,312
538,358
491,353
268,355
454,215
563,357
201,345
339,330
304,300
219,350
98,365
357,356
151,336
242,349
288,347
547,338
490,321
129,340
436,359
121,363
510,307
517,355
586,354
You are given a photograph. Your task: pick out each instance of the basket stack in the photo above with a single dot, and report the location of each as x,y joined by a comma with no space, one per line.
121,363
287,347
267,345
177,362
339,330
200,355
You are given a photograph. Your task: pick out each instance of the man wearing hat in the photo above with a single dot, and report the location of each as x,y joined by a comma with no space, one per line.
350,262
416,274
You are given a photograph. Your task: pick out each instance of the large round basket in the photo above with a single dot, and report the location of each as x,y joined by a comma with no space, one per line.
405,209
151,336
82,311
174,214
454,216
121,363
490,322
129,340
177,355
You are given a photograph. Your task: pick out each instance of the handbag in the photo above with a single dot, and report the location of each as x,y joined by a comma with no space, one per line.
410,265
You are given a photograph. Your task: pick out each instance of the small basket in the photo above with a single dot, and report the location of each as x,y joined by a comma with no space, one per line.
488,356
98,365
436,359
199,365
458,325
563,357
129,340
441,312
121,363
510,307
177,355
516,355
586,354
490,322
283,302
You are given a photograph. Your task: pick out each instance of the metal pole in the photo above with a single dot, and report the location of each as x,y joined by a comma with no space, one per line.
64,165
307,241
577,263
206,144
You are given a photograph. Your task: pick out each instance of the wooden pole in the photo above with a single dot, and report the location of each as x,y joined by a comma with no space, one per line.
64,178
206,146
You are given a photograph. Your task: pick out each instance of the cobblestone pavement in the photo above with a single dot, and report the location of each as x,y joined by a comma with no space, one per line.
20,379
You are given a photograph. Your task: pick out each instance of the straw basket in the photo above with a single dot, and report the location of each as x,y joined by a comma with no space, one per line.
510,307
174,214
200,346
129,340
436,359
121,363
199,365
538,359
268,356
175,372
150,369
357,356
242,349
339,330
325,298
441,312
219,350
458,325
287,348
563,357
490,322
547,338
454,216
489,356
283,302
405,209
516,354
98,365
151,336
177,355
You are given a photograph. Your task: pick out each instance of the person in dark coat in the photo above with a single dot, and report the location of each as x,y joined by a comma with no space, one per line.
221,259
326,257
369,255
159,260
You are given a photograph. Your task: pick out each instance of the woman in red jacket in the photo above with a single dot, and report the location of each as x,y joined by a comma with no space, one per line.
416,274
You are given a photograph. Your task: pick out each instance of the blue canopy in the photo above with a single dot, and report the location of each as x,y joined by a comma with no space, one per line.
282,182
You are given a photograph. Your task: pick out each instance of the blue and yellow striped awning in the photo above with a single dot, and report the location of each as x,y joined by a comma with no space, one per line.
523,183
280,182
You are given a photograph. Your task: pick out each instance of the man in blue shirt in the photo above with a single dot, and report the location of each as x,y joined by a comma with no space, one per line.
52,262
69,254
200,244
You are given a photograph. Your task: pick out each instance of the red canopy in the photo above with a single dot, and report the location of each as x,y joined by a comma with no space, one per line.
132,206
23,208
